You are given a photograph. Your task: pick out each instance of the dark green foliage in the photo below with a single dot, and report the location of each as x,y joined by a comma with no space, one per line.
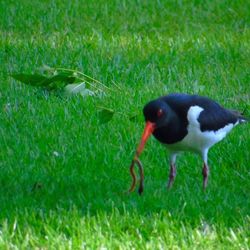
52,82
105,115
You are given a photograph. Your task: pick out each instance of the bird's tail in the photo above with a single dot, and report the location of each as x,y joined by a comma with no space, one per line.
241,116
244,119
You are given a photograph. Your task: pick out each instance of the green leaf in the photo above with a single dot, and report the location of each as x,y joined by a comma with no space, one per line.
66,78
54,82
105,115
34,80
59,81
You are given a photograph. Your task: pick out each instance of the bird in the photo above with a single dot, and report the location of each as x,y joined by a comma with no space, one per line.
184,122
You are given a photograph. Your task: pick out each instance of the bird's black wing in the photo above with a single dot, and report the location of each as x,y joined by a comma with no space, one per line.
212,118
215,117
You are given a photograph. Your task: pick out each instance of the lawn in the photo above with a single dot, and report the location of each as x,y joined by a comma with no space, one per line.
64,173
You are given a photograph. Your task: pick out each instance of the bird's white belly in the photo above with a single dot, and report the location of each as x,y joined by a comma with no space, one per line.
196,140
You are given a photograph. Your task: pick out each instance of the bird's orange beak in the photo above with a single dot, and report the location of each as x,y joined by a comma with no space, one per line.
148,130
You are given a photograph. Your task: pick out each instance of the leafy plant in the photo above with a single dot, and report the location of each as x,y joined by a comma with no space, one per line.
70,82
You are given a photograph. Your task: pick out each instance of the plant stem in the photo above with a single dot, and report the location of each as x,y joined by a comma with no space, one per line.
80,73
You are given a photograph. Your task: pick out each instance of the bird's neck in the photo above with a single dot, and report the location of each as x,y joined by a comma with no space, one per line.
173,131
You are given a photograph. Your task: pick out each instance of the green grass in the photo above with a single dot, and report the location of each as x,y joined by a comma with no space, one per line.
75,199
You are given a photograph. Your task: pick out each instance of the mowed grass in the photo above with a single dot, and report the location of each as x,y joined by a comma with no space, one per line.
63,175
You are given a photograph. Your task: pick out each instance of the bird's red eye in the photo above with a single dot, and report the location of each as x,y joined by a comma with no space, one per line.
159,113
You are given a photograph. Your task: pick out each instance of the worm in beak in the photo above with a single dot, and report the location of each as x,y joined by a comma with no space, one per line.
149,129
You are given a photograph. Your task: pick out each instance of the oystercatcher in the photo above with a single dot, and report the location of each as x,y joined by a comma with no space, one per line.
184,122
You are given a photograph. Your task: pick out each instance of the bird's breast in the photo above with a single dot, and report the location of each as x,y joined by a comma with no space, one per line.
170,135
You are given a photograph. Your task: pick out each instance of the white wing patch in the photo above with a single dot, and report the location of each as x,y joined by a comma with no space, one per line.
193,115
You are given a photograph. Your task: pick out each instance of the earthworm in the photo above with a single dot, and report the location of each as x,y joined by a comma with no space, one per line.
132,173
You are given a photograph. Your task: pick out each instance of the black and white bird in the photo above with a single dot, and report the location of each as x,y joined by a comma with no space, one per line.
185,122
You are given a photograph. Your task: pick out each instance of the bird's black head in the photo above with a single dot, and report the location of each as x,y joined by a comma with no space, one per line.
157,114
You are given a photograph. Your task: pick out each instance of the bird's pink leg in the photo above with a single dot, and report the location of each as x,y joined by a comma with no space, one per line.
172,175
205,173
172,172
